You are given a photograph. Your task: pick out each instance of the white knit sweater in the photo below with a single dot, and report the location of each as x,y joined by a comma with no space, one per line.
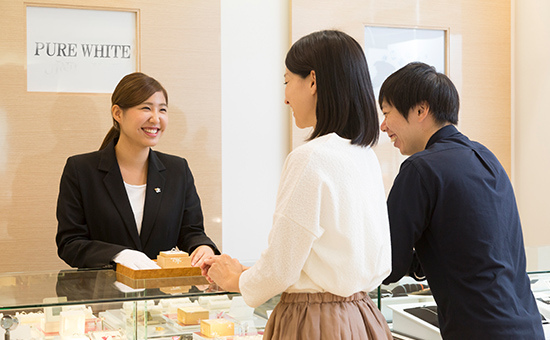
330,228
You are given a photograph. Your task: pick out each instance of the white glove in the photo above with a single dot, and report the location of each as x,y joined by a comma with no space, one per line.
134,259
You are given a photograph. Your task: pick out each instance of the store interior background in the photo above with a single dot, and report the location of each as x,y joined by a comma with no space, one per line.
255,130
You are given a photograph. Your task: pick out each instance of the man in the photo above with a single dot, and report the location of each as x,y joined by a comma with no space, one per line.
453,215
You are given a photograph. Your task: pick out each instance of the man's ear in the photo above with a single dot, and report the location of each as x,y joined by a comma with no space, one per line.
422,110
116,112
313,82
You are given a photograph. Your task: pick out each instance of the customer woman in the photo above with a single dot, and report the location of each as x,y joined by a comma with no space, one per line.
330,243
125,203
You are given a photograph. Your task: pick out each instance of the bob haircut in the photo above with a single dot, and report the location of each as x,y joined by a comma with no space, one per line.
345,99
131,91
416,83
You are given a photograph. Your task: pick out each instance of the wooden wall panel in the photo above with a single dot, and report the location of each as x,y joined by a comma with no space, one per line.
479,60
180,46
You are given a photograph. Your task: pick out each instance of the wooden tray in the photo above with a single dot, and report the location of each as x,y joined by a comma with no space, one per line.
158,278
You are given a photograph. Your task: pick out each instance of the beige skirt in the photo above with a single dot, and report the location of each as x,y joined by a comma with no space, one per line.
326,316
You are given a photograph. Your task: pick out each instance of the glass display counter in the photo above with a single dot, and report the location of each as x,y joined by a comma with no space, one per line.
411,311
93,304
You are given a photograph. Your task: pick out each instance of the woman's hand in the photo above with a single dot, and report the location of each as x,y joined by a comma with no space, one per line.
224,271
205,267
200,254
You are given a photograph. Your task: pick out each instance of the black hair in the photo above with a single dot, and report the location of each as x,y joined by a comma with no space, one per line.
345,99
416,83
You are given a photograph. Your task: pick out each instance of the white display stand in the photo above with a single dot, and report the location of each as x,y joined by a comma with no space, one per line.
408,324
544,308
386,302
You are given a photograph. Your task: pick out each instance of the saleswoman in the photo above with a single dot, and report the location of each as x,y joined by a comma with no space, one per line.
125,203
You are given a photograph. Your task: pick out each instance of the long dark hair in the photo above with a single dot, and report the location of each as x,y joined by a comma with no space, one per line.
345,98
132,90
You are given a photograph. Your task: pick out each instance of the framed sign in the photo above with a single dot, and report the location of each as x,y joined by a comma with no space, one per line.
79,50
389,48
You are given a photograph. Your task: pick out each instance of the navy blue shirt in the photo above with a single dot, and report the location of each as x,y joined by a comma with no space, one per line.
453,204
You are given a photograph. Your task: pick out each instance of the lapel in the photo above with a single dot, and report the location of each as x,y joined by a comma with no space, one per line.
153,196
115,186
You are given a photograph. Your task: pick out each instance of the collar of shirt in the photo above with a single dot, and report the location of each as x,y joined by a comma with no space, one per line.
444,132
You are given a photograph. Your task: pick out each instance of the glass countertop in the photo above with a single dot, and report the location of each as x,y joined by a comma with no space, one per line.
72,287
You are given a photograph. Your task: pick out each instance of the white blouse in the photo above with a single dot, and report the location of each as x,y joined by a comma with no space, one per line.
330,228
136,195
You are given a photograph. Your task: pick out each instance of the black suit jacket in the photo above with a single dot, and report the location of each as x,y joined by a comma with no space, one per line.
96,221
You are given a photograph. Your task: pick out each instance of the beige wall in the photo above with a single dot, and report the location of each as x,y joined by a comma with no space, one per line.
180,46
531,120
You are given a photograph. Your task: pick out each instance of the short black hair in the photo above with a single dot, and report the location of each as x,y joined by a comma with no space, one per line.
416,83
345,99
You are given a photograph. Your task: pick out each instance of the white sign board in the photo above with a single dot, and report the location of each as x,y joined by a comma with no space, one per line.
79,50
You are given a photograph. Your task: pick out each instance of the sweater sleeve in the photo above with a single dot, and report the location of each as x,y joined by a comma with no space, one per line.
280,264
289,243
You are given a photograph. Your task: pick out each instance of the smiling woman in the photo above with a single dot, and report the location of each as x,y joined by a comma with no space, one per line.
330,206
136,92
140,127
126,203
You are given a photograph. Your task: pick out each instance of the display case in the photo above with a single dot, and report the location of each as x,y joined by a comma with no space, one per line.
94,304
411,311
540,285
